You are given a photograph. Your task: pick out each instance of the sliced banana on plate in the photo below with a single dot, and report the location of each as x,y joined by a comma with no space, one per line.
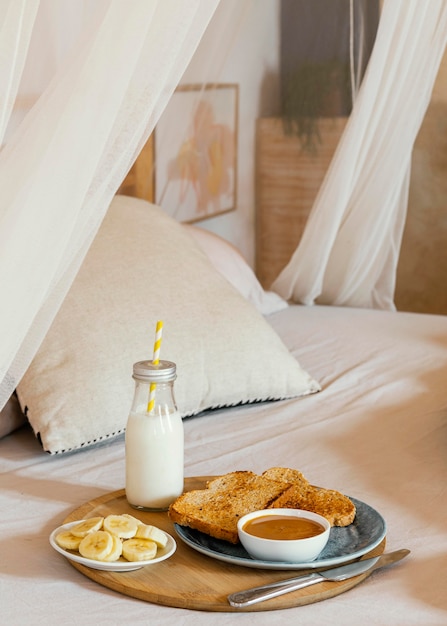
146,531
121,526
108,538
139,549
87,526
97,545
116,551
68,541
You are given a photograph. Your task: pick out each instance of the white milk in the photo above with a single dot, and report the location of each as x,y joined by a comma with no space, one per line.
154,459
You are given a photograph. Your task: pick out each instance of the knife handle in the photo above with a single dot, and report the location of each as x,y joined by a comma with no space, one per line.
265,592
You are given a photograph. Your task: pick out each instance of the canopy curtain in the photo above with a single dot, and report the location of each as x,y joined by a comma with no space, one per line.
15,33
61,167
349,250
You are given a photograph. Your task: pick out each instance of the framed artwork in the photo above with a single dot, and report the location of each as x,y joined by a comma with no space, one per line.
196,152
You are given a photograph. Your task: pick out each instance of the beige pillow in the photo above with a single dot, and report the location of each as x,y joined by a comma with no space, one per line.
143,266
231,264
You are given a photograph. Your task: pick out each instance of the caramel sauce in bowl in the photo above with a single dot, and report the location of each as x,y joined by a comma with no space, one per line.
284,535
285,527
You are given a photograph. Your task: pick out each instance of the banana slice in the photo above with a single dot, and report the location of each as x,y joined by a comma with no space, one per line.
67,540
109,538
117,550
87,526
123,526
139,549
96,545
138,521
146,531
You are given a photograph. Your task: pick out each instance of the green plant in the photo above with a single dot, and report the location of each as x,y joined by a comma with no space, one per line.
314,90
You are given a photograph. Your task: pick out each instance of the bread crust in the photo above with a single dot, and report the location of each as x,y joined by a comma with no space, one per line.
216,509
337,508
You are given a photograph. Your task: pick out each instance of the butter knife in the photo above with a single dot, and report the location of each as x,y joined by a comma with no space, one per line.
241,599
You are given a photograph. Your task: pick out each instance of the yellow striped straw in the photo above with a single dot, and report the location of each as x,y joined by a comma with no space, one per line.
155,361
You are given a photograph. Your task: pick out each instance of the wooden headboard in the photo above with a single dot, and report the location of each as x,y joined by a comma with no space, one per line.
139,182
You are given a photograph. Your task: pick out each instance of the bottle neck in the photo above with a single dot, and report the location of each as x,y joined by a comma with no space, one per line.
163,399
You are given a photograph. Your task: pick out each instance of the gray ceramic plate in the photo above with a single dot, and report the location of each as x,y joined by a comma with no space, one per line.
345,544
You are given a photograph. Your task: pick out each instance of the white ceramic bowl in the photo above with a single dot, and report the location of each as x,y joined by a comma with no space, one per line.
285,550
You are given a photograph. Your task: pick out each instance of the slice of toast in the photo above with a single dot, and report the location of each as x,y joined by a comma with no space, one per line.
216,510
337,508
286,475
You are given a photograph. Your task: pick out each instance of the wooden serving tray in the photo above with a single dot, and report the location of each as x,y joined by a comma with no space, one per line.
192,580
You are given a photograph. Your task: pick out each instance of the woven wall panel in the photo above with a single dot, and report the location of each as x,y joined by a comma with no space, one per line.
287,182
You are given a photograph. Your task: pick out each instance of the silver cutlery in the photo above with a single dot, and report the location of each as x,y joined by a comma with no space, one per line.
241,599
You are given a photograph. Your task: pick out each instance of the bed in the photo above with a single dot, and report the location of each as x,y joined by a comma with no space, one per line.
354,398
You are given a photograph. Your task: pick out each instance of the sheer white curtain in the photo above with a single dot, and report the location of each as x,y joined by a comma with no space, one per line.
17,20
63,164
349,250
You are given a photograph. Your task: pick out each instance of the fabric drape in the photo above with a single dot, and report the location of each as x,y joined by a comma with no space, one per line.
15,33
63,164
350,247
61,167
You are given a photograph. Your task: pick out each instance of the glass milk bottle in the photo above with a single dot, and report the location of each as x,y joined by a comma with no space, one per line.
154,440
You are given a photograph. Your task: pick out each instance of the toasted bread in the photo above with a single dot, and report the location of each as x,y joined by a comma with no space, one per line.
337,508
286,475
216,510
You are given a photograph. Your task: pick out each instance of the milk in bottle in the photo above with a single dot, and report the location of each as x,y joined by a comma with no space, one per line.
154,440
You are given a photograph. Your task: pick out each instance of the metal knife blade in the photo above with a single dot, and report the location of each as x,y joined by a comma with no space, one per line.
265,592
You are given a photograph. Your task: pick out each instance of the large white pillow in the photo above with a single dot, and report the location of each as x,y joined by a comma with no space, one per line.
230,263
142,267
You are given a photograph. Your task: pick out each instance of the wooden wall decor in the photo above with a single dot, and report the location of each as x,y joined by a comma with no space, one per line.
139,182
287,182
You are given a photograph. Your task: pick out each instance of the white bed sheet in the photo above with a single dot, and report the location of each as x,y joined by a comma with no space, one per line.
377,431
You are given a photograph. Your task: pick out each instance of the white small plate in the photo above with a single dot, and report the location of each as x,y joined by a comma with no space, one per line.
117,566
